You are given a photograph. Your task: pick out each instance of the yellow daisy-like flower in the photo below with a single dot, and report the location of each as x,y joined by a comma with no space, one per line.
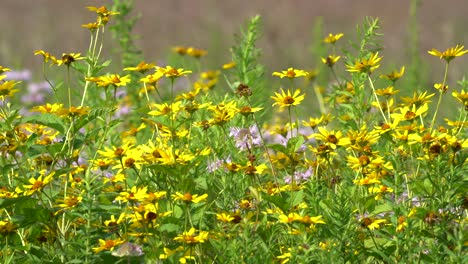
394,75
229,65
91,26
408,114
46,56
107,245
4,69
332,39
366,65
196,53
152,78
189,198
133,195
330,60
461,97
6,88
290,73
331,138
189,237
440,87
171,72
376,224
387,92
113,79
69,58
287,219
47,108
142,67
37,184
223,217
285,257
450,53
287,99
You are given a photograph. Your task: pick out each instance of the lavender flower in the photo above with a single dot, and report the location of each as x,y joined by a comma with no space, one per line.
23,75
246,138
299,176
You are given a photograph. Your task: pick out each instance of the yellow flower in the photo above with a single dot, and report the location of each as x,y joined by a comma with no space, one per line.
387,92
331,138
284,258
103,13
365,181
394,75
409,114
47,108
73,111
46,56
109,245
223,217
113,79
171,72
91,26
4,69
330,60
292,217
402,224
286,99
189,237
113,222
450,53
188,197
69,58
366,65
223,112
152,78
133,195
196,53
290,73
313,122
441,88
332,39
38,184
180,50
7,227
461,97
418,99
376,223
70,201
142,67
229,65
380,191
6,88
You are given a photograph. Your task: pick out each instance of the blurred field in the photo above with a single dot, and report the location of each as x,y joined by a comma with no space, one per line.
54,25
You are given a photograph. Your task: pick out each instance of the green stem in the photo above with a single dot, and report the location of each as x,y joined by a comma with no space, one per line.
376,98
441,92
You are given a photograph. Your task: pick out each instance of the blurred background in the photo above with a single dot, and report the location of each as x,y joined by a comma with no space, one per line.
55,26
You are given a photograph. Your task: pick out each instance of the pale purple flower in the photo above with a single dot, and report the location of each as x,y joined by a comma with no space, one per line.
246,138
299,176
22,75
217,164
128,249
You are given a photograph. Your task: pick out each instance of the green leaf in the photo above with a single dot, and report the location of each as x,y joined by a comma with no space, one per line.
280,202
48,120
10,201
296,198
278,148
170,228
295,143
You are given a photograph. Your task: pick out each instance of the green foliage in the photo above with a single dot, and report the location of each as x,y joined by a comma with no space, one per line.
160,166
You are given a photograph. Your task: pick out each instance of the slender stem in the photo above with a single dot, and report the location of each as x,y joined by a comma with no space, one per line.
68,86
376,98
441,92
